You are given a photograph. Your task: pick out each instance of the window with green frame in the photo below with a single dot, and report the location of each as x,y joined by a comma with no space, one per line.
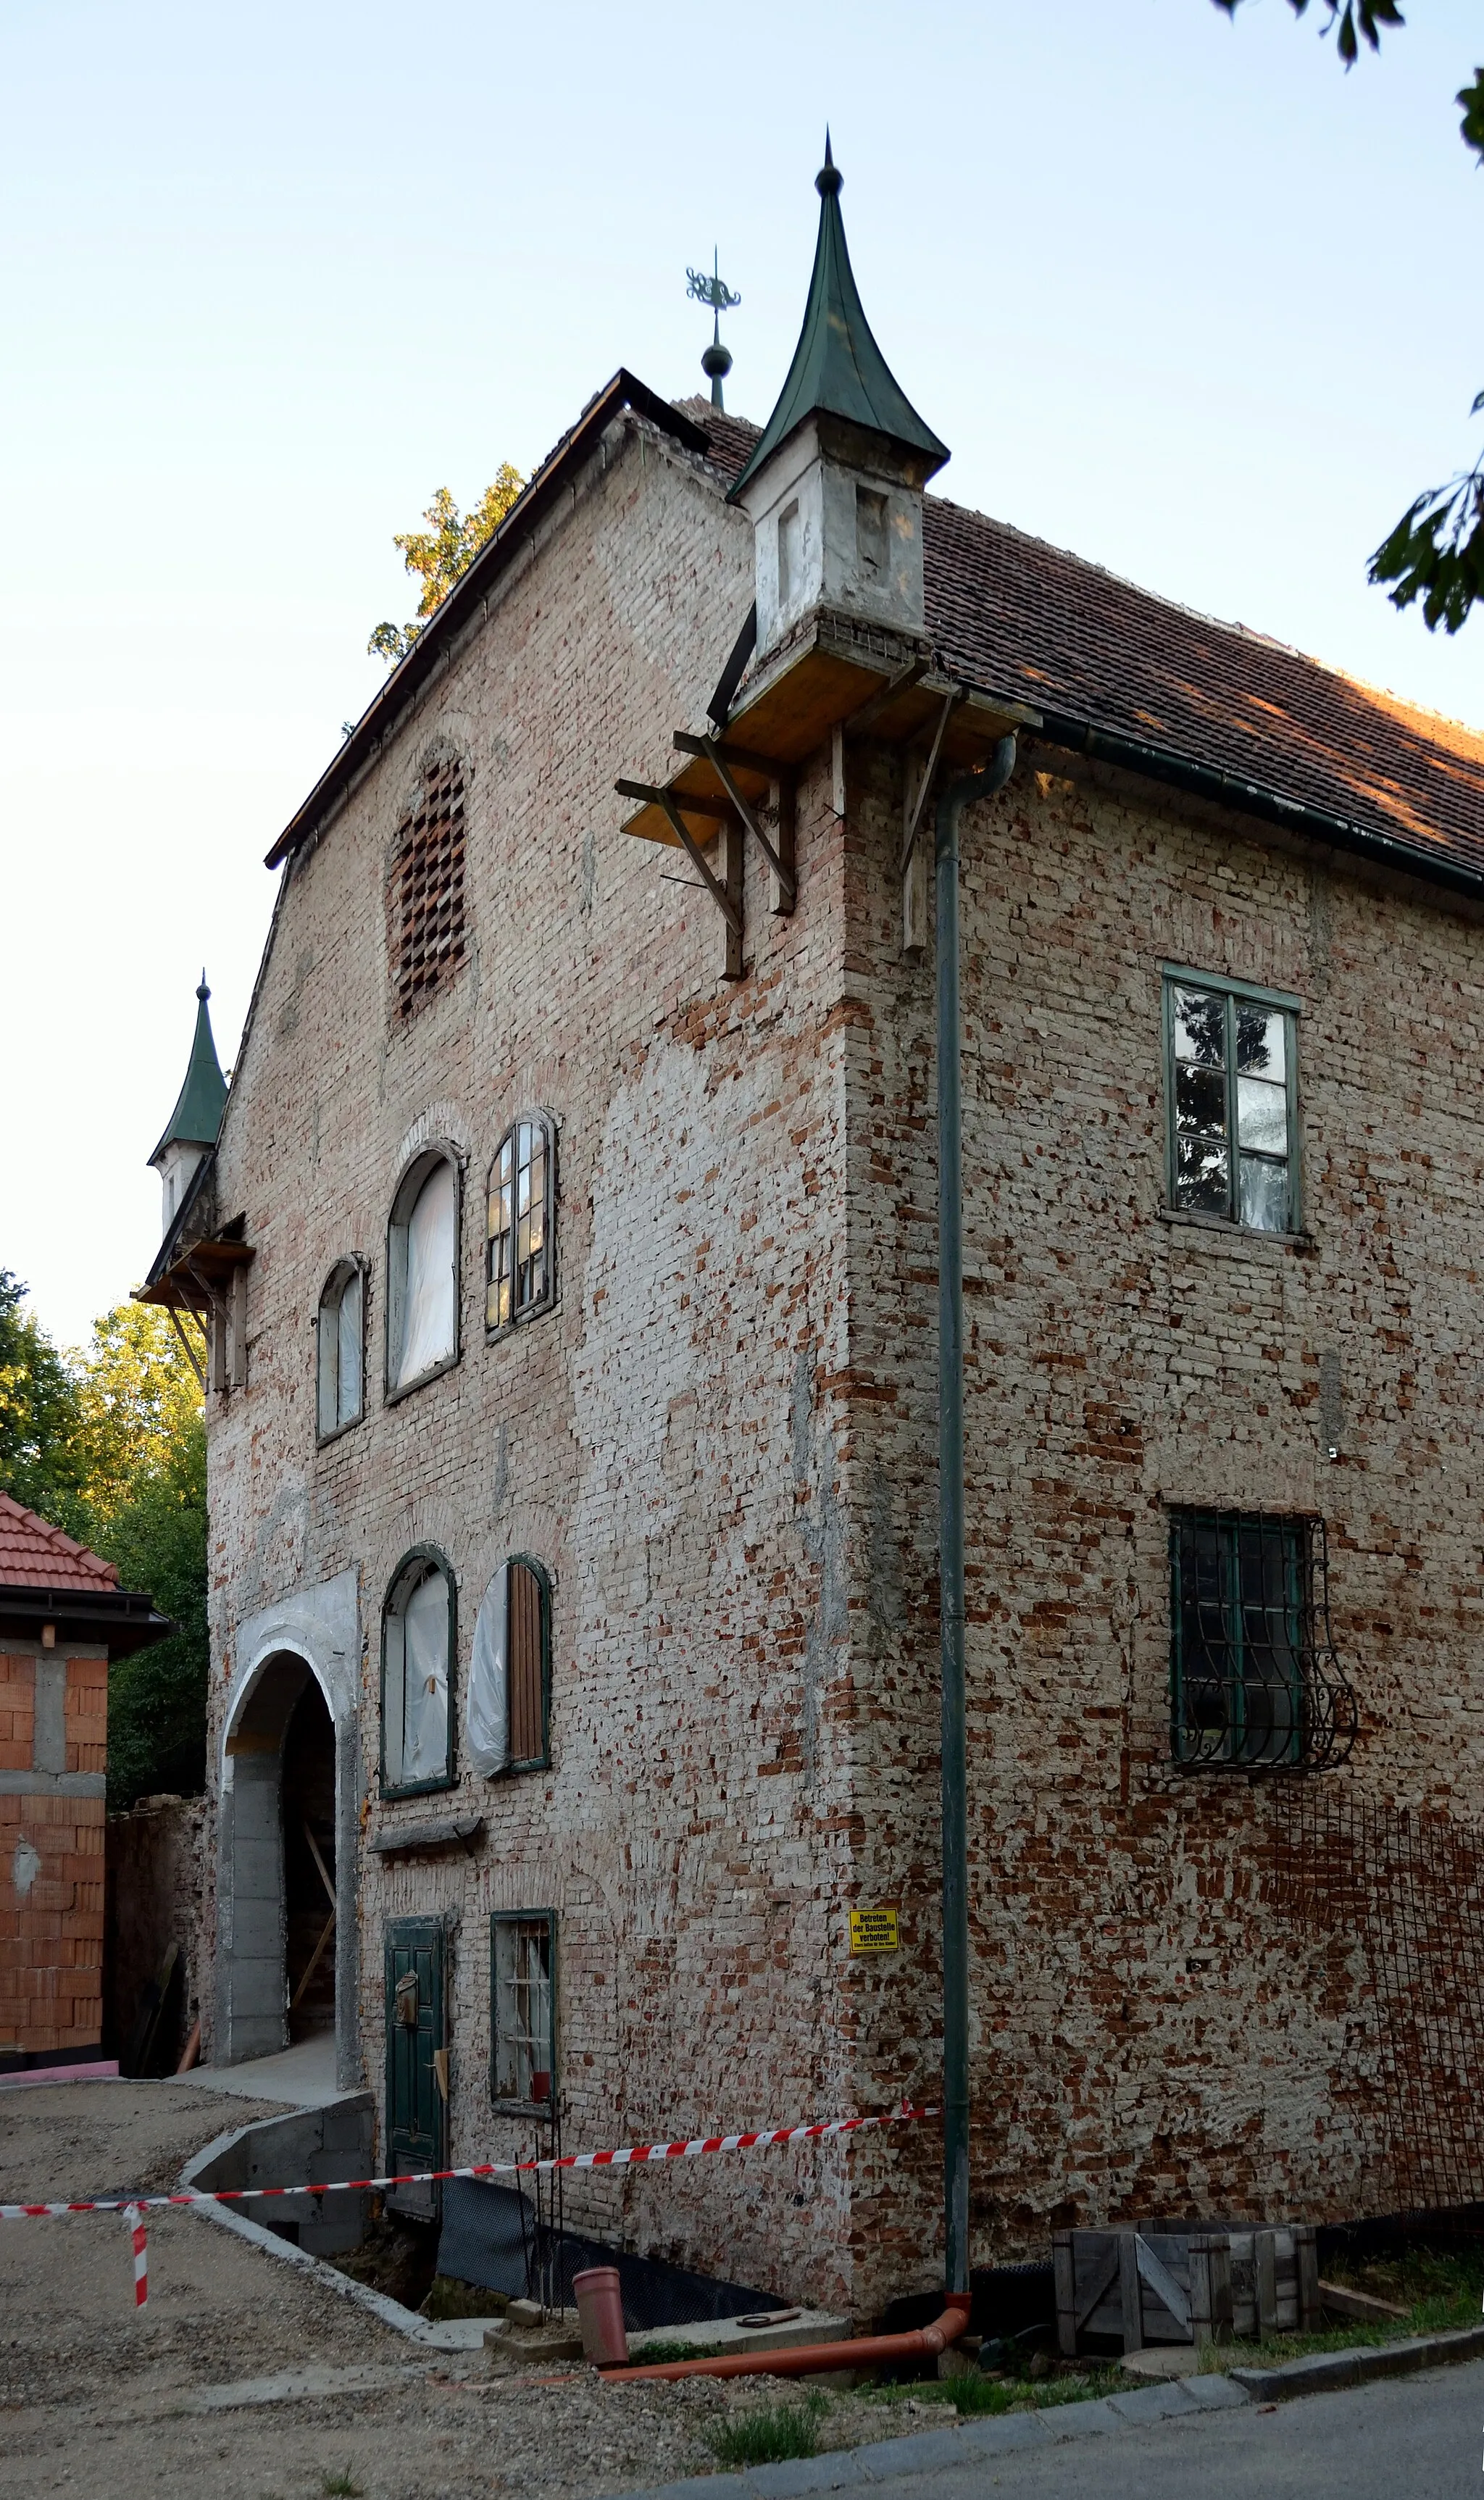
1255,1683
1231,1091
523,2008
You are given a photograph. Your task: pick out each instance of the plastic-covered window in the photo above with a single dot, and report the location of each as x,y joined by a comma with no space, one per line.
417,1654
423,1259
510,1672
341,1340
519,1260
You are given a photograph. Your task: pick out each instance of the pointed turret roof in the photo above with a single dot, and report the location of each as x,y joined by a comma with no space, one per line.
197,1115
838,369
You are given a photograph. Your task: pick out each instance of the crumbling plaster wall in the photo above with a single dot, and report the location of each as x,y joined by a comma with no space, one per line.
666,1440
1152,2031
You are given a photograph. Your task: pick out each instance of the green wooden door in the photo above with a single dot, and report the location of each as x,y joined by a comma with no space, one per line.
416,2117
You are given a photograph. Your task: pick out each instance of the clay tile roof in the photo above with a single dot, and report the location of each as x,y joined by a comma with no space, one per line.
35,1555
1013,615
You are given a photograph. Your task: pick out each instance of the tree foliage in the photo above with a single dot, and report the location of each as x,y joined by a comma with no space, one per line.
438,555
109,1443
1436,552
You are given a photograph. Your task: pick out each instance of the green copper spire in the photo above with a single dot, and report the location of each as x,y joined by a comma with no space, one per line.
197,1115
838,369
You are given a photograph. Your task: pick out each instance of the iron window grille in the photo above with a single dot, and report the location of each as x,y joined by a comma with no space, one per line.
522,2009
419,1645
1231,1082
520,1265
427,888
1255,1683
340,1350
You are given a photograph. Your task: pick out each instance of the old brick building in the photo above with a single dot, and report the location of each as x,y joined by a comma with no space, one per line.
569,1251
62,1617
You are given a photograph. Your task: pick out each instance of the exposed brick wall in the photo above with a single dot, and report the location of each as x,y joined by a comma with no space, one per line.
52,1868
722,1441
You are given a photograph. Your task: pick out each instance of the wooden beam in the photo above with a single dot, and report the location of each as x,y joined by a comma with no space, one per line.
855,723
729,908
915,821
723,770
187,1348
700,805
745,758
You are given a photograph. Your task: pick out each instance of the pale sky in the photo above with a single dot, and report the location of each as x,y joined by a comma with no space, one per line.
1179,294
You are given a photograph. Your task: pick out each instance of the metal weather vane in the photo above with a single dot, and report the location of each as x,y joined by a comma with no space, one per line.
717,297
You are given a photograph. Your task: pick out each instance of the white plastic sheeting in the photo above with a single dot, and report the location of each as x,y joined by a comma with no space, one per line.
429,1310
487,1714
348,1336
418,1684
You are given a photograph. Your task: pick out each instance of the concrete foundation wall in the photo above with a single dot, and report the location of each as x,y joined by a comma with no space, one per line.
335,2142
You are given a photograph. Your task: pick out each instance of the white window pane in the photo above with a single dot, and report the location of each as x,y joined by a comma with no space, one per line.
425,1680
348,1350
1198,1021
1262,1116
488,1715
1264,1196
326,1395
392,1710
1260,1042
428,1304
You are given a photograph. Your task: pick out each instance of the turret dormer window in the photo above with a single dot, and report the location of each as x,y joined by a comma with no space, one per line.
341,1370
422,1303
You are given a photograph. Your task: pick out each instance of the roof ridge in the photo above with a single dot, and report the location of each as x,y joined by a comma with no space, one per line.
46,1531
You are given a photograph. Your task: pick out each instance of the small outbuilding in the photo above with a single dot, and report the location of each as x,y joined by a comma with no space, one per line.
62,1618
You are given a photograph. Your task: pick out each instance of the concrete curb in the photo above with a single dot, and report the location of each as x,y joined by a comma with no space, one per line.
941,2452
1316,2371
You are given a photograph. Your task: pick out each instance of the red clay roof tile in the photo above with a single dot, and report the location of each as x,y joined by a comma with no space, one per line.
35,1555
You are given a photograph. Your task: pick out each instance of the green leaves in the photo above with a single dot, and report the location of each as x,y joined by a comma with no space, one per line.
1435,553
444,551
1357,18
1472,98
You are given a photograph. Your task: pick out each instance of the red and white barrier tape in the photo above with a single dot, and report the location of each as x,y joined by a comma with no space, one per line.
755,2138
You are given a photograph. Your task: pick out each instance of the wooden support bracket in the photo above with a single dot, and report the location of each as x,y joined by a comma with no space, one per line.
782,869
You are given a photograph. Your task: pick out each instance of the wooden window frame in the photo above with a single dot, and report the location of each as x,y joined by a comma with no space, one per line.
506,1233
403,1198
337,1279
449,1776
1181,976
541,1762
514,1919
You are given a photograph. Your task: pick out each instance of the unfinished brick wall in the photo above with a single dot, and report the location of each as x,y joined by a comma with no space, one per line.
52,1863
721,1442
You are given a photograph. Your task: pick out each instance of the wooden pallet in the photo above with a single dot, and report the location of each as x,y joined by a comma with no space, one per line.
1193,2286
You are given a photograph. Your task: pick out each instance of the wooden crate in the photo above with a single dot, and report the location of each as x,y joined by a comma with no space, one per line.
1189,2286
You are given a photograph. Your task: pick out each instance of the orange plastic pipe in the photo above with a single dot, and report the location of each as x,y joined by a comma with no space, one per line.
859,2353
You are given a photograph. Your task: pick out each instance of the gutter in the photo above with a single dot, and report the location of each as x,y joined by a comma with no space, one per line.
1253,798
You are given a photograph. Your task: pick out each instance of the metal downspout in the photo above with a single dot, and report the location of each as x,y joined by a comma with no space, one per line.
956,796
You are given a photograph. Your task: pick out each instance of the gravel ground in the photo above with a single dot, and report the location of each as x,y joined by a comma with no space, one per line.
99,2399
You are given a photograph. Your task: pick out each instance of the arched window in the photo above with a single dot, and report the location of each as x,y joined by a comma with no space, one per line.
340,1363
419,1630
518,1265
422,1316
510,1674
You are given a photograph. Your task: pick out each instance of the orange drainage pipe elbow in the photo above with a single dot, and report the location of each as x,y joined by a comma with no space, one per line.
799,2360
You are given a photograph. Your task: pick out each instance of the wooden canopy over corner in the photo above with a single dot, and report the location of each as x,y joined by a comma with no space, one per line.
790,713
196,1279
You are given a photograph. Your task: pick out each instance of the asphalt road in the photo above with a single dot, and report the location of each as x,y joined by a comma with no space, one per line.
1403,2439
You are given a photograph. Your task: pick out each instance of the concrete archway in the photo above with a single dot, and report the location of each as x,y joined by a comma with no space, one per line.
289,1787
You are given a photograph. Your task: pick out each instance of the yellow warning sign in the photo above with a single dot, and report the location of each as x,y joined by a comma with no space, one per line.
874,1931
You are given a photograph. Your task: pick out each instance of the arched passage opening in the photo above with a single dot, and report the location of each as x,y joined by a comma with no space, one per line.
278,1930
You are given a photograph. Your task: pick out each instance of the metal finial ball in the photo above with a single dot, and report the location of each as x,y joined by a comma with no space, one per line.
715,361
828,180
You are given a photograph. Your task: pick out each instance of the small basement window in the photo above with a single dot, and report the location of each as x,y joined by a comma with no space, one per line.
422,1274
510,1672
1255,1683
522,2062
520,1265
426,901
339,1348
417,1648
1230,1080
